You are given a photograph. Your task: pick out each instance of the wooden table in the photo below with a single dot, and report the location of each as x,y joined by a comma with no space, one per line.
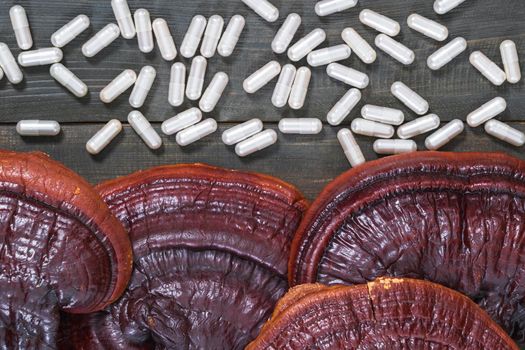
309,162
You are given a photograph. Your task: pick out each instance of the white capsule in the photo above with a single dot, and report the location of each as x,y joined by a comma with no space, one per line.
300,88
383,115
347,75
70,31
104,136
177,84
167,47
123,17
488,68
350,147
328,7
427,27
196,78
38,128
242,131
211,36
281,93
328,55
395,49
447,53
379,22
264,9
444,135
410,98
196,132
9,66
305,45
359,45
21,27
142,86
486,112
182,121
443,6
213,92
69,80
256,143
144,30
343,107
261,77
301,126
373,129
102,39
285,34
193,36
418,126
40,57
143,128
505,132
231,36
118,86
509,55
394,146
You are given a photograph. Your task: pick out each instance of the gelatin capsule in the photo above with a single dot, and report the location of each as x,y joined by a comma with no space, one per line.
359,46
394,146
379,22
352,150
328,7
300,88
123,17
328,55
21,27
264,9
418,126
301,126
242,131
447,53
505,132
177,84
142,86
193,36
281,93
38,128
70,31
40,57
118,86
343,107
261,77
231,36
144,30
443,6
196,78
167,47
196,132
213,93
488,68
256,143
486,112
395,49
102,39
305,45
347,75
383,115
285,34
444,135
182,121
104,136
211,36
509,55
373,129
9,65
69,80
410,98
427,27
143,128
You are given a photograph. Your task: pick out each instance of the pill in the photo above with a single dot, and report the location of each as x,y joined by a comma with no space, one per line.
505,132
394,146
285,34
301,126
196,78
242,131
350,147
488,68
328,55
418,126
383,115
38,128
143,128
410,98
9,66
300,88
181,121
443,6
167,47
231,36
427,27
373,129
306,44
379,22
144,30
328,7
118,86
447,53
256,143
395,49
444,135
21,27
193,36
70,31
177,84
264,9
213,92
359,46
196,132
1,74
261,77
211,36
142,86
343,107
123,17
69,80
40,57
102,39
104,136
511,62
347,75
281,93
486,112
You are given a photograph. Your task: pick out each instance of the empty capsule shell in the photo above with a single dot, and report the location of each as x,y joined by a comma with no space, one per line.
505,132
117,87
343,107
328,7
379,22
359,45
410,98
281,93
196,132
419,126
383,115
102,39
104,136
350,147
427,27
196,78
144,30
486,112
40,57
142,86
9,66
256,143
181,121
213,93
231,36
328,55
489,69
177,84
447,53
167,47
21,27
305,45
443,6
38,128
261,77
444,135
509,55
395,49
264,9
347,75
285,34
372,129
70,31
123,17
242,131
69,80
211,36
143,128
394,146
301,126
193,36
300,88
